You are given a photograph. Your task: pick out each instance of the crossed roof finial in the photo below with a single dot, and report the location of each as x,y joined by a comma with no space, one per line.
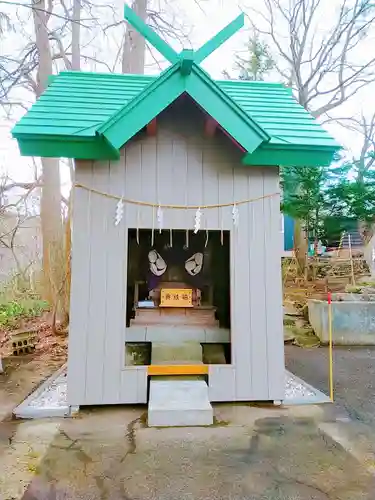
186,57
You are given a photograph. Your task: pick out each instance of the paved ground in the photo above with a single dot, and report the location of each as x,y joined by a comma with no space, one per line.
354,377
251,453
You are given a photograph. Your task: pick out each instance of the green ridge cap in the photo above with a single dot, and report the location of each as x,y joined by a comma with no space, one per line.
219,38
92,115
149,34
187,60
169,53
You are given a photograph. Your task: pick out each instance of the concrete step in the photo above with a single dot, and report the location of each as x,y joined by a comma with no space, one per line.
176,353
179,403
356,239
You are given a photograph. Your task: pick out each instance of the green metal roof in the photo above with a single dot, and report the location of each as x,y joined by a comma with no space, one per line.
77,104
91,115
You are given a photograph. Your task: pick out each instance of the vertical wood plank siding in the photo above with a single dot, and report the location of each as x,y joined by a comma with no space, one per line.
178,166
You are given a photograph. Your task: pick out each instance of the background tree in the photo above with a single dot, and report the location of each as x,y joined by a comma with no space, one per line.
50,207
66,34
256,61
320,48
364,128
134,49
305,196
353,197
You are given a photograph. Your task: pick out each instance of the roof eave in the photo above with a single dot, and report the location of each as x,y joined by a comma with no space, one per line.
303,156
80,148
230,116
135,115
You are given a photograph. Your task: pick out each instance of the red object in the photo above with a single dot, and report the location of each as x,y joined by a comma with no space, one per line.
329,298
210,126
152,128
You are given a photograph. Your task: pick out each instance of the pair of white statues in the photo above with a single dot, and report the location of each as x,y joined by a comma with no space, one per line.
158,266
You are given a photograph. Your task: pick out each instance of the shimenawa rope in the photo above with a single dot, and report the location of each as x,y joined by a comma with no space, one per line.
178,207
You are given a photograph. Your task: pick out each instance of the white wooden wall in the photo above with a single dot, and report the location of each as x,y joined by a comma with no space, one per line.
178,166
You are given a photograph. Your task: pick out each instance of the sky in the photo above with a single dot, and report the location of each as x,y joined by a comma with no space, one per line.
203,23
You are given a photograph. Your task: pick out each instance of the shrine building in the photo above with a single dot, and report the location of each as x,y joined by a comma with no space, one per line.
176,238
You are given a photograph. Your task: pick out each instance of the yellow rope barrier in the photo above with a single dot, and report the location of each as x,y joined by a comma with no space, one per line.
178,207
330,346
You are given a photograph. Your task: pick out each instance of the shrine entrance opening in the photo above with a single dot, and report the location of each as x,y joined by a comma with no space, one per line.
177,277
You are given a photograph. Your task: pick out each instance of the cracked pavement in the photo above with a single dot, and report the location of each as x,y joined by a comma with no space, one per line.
252,452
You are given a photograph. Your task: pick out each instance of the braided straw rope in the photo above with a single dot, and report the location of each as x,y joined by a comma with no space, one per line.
178,207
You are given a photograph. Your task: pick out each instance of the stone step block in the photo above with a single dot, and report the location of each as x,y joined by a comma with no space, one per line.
179,403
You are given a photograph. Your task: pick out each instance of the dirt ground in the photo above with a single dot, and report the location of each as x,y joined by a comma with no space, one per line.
24,373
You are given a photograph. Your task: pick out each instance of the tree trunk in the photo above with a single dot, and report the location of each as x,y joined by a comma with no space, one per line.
133,55
316,229
51,218
44,71
300,247
76,34
68,251
76,66
52,230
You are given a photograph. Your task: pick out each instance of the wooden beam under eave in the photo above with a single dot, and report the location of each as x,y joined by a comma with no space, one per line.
152,128
210,127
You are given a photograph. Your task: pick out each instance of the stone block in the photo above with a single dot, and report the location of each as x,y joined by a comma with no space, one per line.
176,353
352,319
175,403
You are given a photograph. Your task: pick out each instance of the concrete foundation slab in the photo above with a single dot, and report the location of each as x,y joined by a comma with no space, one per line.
49,400
299,392
179,403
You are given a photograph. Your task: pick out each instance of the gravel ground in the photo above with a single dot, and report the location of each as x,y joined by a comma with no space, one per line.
354,377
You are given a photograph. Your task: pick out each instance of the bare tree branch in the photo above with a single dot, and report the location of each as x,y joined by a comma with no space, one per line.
328,67
45,11
62,53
